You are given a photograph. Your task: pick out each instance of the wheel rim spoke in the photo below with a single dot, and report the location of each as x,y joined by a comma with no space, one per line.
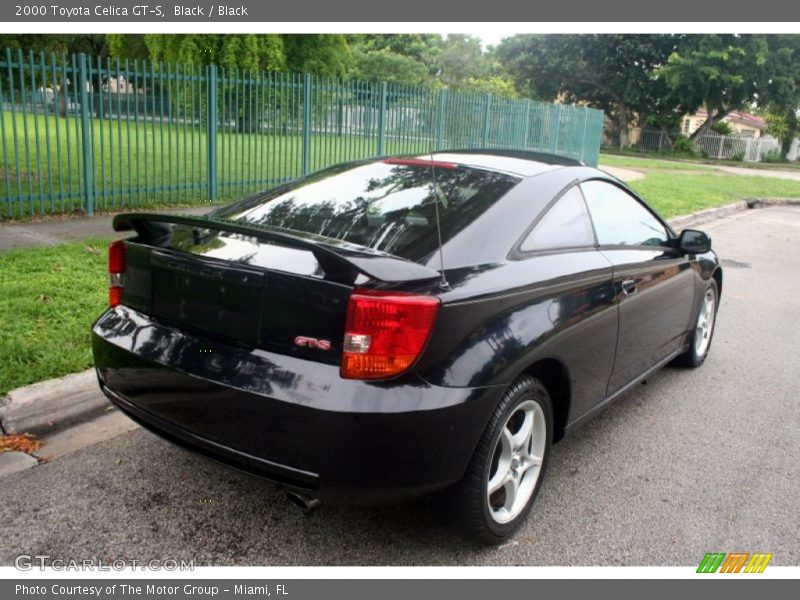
512,487
522,438
502,473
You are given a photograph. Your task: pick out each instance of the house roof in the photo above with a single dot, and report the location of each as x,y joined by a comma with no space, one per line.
739,117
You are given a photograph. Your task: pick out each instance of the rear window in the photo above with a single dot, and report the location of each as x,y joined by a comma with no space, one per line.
386,207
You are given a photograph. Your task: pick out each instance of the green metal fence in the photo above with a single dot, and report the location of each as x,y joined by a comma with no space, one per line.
81,133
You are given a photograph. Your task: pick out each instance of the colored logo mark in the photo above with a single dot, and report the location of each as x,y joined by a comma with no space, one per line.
734,562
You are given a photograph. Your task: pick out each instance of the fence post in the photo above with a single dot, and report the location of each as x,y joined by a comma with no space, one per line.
211,130
306,124
86,136
527,129
486,108
583,134
440,123
382,120
721,145
557,130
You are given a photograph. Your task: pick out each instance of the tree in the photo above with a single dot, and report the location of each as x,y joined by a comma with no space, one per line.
93,44
321,54
494,84
127,46
457,62
783,98
249,51
421,47
723,73
722,128
610,72
715,72
387,65
782,127
461,57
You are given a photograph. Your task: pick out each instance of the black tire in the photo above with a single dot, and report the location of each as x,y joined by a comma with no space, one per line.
465,505
691,358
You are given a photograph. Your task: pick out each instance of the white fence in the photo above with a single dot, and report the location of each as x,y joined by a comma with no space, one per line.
713,145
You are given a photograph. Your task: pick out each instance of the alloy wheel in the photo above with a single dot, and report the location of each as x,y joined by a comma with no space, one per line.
705,323
516,462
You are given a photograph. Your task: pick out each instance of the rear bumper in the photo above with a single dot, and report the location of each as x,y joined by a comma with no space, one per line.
293,421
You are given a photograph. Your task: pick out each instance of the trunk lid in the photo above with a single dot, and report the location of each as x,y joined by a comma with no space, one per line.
251,286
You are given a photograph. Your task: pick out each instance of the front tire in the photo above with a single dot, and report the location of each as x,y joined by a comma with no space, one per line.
703,332
508,466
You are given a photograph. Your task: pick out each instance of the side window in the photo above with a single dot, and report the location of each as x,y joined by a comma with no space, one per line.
619,218
565,225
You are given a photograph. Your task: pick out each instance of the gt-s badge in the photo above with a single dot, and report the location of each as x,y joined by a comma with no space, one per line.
309,342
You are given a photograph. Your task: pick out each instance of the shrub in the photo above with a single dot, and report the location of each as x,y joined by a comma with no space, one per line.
773,156
739,156
684,145
722,128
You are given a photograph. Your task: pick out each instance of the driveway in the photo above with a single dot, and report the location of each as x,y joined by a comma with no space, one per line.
694,461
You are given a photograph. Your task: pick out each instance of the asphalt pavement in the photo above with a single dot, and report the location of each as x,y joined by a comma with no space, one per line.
692,462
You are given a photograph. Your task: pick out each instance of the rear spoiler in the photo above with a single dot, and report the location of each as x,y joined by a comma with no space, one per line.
334,257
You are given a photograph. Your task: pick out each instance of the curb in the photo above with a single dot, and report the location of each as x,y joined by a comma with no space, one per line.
710,214
56,404
53,405
703,216
766,202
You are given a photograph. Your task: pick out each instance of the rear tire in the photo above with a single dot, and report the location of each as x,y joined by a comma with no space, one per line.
700,343
507,468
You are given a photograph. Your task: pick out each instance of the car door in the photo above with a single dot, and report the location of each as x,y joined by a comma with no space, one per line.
654,282
581,305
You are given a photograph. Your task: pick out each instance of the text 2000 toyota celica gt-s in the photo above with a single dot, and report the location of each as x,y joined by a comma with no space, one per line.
396,327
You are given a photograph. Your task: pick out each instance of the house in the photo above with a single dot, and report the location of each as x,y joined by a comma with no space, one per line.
741,123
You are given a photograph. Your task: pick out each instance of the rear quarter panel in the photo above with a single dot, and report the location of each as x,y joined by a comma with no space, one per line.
497,320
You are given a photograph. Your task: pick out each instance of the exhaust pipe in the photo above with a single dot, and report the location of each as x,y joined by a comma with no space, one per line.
303,501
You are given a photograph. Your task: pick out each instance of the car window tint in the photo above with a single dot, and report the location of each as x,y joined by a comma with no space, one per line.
387,207
619,218
566,224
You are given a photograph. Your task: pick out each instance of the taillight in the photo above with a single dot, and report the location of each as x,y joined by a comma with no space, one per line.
385,332
116,272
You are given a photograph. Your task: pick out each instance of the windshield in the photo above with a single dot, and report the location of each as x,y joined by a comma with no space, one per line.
386,207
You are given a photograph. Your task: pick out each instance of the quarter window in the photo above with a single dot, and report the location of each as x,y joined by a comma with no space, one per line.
565,225
620,219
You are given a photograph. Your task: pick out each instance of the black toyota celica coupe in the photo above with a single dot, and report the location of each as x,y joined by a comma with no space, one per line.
390,328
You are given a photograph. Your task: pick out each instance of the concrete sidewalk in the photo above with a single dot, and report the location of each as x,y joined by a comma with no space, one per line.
54,230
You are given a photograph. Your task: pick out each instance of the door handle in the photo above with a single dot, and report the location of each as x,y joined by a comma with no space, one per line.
629,287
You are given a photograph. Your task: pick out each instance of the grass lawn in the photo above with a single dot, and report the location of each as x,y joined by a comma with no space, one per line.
633,162
674,194
151,163
49,298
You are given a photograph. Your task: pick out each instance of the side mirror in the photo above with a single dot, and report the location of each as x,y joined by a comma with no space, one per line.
692,241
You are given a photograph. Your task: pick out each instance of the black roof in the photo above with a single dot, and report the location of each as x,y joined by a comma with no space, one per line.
542,157
513,162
